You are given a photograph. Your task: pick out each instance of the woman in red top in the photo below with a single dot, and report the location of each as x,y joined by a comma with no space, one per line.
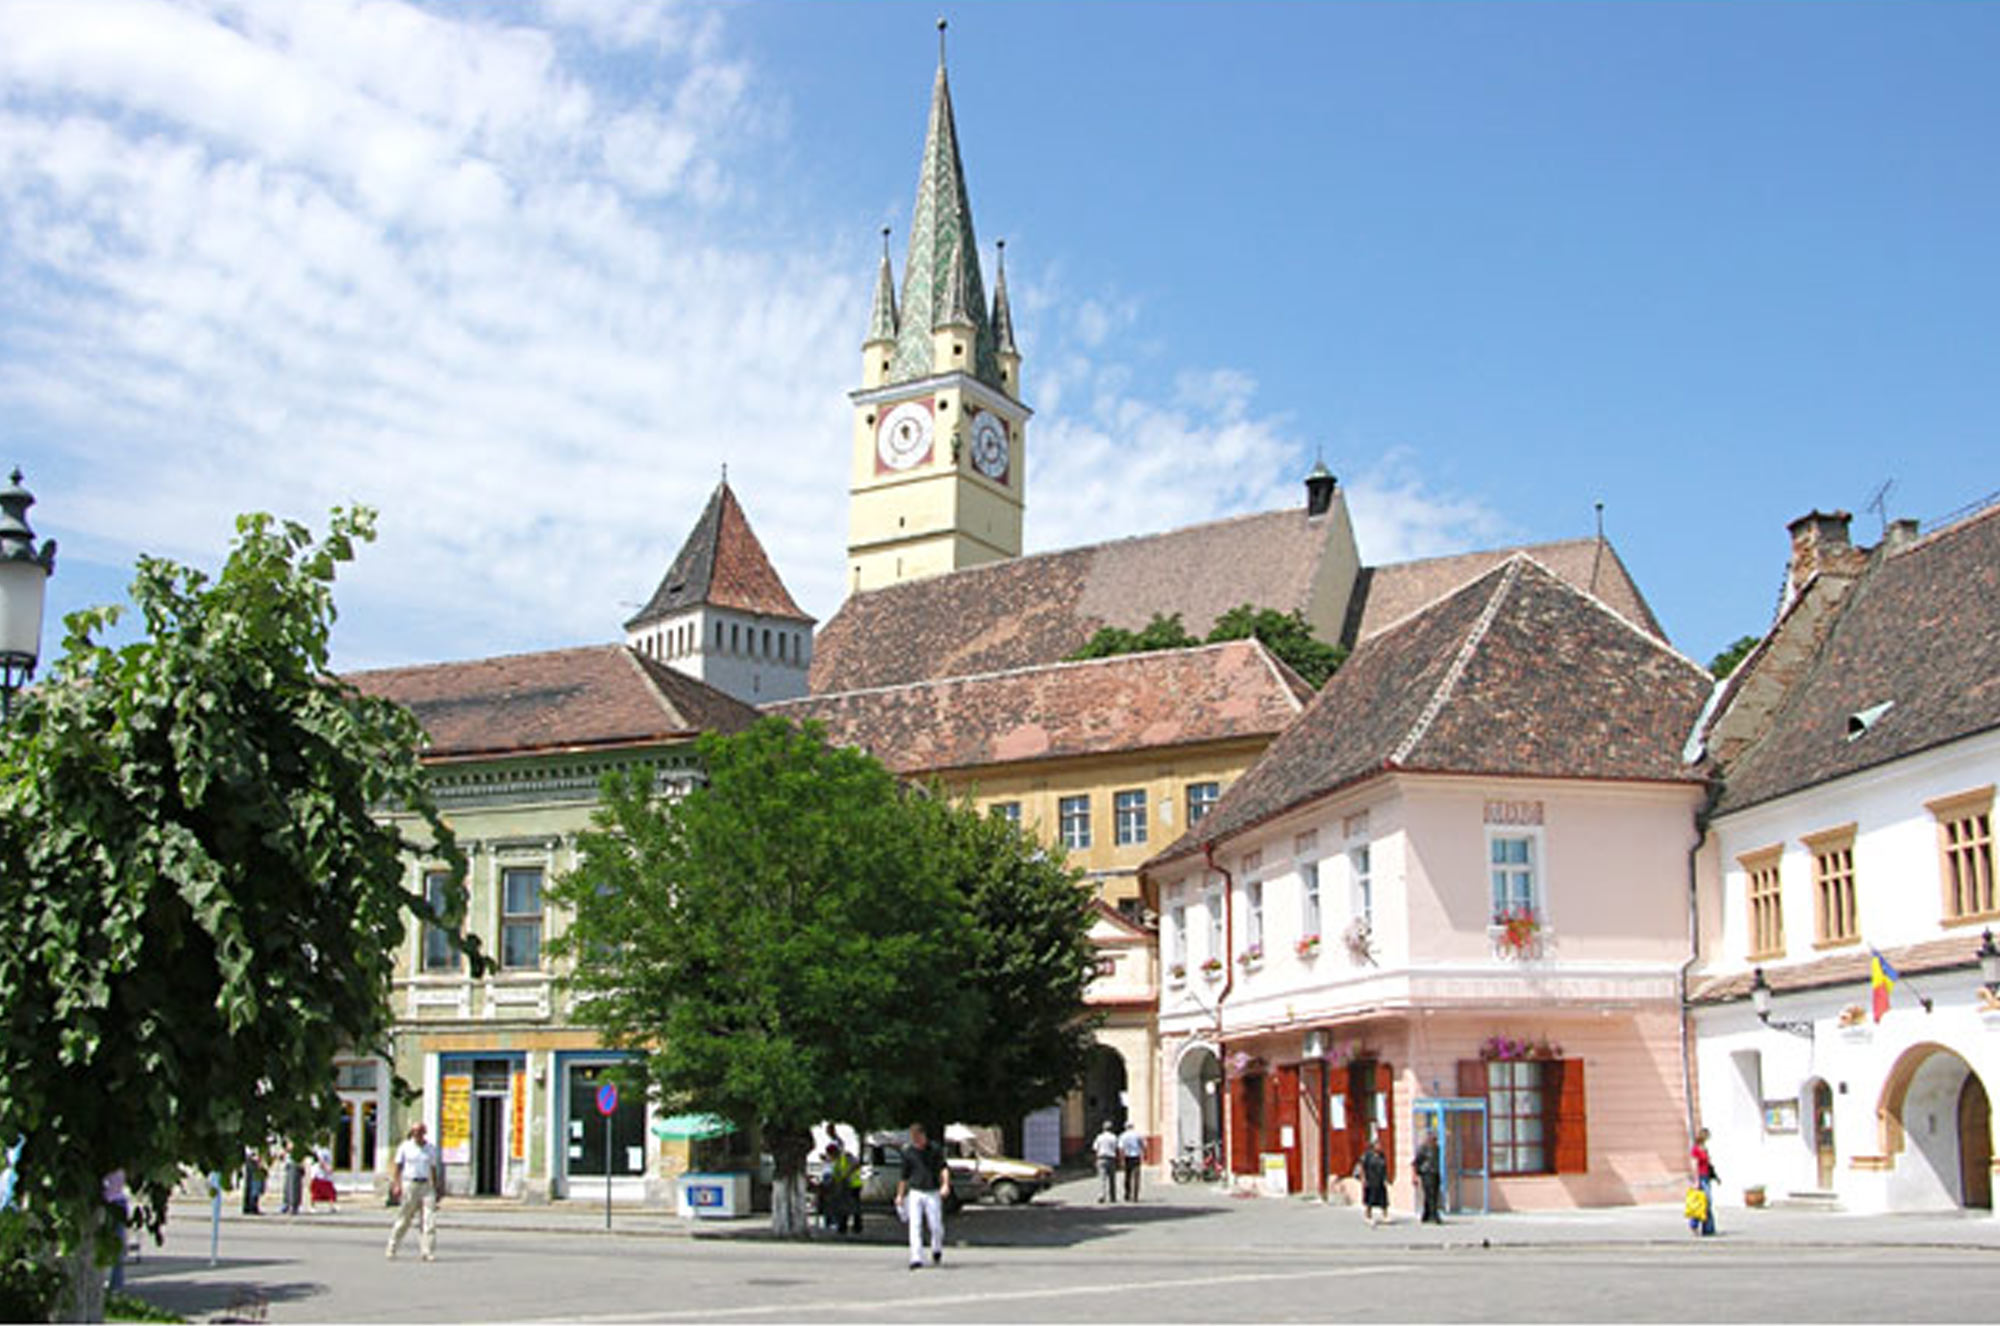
1704,1175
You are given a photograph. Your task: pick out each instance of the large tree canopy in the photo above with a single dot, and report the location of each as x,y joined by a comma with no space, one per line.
800,939
201,909
1031,959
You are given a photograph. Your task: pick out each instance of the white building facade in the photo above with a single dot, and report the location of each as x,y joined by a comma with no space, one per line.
1859,756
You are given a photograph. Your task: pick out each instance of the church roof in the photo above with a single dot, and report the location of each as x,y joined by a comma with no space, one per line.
1517,674
1919,632
1135,702
1028,611
1386,594
722,565
1043,608
941,279
561,699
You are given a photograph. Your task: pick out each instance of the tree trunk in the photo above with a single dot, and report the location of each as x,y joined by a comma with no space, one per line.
790,1211
84,1298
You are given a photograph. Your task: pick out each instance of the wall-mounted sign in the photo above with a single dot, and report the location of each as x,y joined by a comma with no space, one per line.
455,1117
1781,1116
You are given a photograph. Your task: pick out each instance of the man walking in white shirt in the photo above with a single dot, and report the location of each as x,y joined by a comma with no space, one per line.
414,1182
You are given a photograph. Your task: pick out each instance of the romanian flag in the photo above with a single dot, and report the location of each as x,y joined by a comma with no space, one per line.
1882,979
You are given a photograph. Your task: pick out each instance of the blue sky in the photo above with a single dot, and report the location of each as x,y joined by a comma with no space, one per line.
525,277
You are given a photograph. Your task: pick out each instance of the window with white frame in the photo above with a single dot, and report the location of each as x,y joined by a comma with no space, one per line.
1073,815
1308,899
1253,927
1128,811
521,917
1361,883
439,955
1212,900
1177,938
1006,810
1511,857
1201,798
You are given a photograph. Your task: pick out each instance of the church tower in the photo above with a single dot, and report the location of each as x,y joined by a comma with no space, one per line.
940,466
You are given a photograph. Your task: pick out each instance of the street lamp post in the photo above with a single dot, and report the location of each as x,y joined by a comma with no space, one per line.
1760,1000
1989,963
24,581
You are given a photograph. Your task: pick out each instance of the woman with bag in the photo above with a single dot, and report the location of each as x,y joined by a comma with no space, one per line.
1704,1183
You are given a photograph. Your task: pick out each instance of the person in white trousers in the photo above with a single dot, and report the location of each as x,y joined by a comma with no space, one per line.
414,1182
920,1194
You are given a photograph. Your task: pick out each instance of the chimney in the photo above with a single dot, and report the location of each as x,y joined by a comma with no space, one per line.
1820,546
1320,488
1900,534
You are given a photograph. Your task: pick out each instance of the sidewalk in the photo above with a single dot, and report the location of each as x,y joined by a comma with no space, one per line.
1170,1216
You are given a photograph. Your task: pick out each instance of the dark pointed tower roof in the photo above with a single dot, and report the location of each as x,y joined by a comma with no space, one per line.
941,281
1003,312
722,565
882,320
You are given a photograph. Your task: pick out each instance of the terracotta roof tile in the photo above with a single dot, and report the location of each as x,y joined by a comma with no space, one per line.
1919,631
1841,969
1517,673
1391,592
722,565
604,695
1132,703
1034,610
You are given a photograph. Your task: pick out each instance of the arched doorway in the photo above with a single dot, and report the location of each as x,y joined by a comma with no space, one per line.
1936,1122
1819,1110
1198,1100
1103,1089
1975,1143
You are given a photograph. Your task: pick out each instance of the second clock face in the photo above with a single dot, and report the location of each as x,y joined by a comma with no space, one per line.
904,437
989,445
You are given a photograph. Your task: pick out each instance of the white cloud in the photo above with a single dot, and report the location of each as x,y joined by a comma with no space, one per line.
279,257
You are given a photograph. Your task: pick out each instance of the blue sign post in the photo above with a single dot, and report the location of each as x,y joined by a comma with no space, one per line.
607,1105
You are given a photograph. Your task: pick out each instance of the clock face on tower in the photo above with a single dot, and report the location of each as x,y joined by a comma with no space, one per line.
904,437
989,445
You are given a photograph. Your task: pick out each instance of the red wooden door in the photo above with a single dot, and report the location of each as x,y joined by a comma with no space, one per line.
1284,1118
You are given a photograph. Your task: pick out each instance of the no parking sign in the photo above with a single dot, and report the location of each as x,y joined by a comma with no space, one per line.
607,1100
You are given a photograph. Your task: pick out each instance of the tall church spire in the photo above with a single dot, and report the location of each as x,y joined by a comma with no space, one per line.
943,264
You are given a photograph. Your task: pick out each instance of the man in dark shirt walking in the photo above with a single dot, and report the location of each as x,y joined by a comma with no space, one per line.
920,1194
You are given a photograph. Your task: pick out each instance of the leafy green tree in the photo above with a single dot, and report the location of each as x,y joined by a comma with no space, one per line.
784,944
200,908
1030,958
1286,635
1726,662
1159,633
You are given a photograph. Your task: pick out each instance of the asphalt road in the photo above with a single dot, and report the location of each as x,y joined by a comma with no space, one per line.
1213,1261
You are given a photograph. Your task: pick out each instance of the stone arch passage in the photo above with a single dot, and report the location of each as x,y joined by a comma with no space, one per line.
1935,1123
1198,1099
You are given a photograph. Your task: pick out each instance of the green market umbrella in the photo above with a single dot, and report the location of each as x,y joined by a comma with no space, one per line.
692,1127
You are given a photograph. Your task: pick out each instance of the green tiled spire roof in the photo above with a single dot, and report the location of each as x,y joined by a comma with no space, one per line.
882,322
1003,313
941,282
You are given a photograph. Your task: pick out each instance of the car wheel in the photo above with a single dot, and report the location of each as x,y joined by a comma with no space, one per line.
1009,1193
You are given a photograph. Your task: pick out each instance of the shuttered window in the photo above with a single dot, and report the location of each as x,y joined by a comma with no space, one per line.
1965,855
1767,911
1834,919
1535,1112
